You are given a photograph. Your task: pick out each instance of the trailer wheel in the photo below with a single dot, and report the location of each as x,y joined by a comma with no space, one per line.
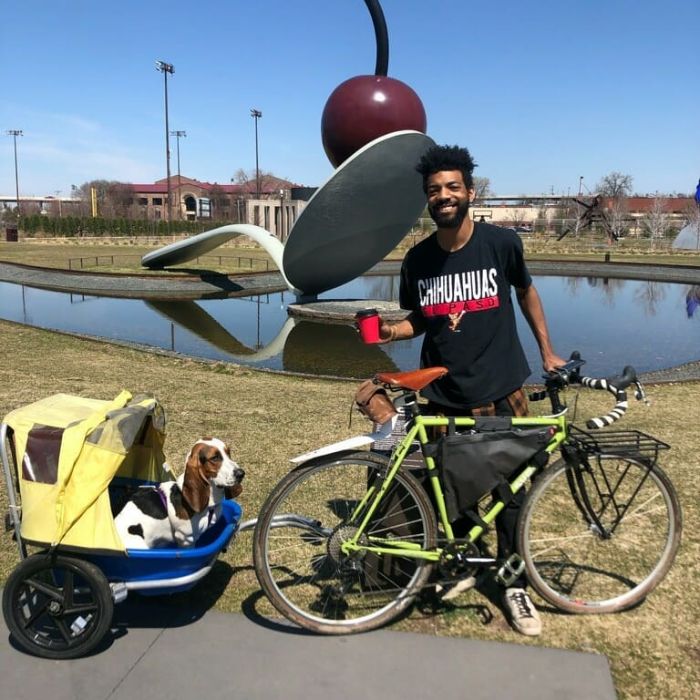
57,607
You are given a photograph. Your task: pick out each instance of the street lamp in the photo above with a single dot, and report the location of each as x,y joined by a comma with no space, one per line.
282,227
166,68
177,135
256,114
580,185
15,133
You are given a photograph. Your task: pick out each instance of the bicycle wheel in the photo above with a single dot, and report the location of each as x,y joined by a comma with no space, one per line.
57,607
301,568
579,568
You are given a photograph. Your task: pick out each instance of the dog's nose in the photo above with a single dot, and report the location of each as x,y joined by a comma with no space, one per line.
239,473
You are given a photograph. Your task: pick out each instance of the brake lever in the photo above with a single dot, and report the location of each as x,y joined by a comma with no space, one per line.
568,373
640,394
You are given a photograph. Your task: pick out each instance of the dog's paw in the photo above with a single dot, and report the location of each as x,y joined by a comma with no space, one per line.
233,491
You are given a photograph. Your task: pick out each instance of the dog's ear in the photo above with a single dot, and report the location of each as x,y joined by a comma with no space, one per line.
195,487
233,491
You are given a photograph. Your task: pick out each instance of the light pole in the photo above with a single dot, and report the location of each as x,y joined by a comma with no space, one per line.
177,135
15,133
166,68
282,216
256,114
580,185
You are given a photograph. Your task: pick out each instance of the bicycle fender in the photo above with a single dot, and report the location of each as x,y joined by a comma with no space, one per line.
348,444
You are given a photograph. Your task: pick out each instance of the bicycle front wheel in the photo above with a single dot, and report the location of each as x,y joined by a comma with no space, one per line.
580,566
303,524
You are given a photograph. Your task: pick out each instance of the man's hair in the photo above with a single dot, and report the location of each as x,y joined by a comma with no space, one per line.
439,158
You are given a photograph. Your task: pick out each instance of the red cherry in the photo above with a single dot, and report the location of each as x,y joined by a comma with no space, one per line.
364,108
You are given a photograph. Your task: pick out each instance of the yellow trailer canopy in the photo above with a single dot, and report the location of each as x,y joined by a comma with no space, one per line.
67,451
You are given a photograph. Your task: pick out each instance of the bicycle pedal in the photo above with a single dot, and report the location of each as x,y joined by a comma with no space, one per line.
510,570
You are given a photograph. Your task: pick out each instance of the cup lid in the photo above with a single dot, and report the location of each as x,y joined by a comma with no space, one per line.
363,313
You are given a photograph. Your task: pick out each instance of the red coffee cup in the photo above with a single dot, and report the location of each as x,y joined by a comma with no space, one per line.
368,322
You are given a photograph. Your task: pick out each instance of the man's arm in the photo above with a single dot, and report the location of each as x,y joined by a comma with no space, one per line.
531,306
410,327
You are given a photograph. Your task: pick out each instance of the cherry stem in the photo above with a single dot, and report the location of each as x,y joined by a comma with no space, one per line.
381,35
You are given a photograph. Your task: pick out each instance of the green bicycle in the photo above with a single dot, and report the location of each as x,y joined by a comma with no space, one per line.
346,541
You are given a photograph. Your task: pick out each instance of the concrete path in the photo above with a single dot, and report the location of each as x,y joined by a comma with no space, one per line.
165,651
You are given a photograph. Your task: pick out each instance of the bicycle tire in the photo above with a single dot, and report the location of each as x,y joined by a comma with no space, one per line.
57,607
568,562
304,574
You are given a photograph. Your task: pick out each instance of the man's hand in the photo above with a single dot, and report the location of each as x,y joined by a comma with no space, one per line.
552,361
387,332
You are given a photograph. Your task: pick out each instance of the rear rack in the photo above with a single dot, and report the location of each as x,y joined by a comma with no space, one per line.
621,442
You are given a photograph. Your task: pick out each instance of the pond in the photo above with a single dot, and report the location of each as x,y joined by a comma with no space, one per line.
612,322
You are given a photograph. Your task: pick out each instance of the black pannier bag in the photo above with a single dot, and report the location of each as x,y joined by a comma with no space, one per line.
473,464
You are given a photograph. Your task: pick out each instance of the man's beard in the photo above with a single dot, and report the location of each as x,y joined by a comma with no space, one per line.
445,220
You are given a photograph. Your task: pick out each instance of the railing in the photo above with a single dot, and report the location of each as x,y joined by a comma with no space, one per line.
242,262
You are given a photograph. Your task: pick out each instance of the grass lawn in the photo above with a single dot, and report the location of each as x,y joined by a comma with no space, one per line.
654,650
93,256
242,255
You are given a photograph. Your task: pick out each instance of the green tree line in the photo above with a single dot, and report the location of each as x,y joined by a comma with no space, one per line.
77,226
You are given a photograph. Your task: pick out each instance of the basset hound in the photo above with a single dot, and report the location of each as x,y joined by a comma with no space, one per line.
178,512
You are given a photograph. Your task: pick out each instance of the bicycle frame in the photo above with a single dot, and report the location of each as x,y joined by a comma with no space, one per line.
418,430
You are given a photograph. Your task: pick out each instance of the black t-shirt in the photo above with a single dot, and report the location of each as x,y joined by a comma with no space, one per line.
465,300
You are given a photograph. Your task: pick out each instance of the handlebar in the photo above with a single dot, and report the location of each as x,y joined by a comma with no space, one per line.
570,374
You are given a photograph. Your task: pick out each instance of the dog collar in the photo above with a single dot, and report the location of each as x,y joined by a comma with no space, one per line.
163,498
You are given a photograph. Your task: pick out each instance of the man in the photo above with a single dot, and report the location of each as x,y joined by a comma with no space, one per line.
456,285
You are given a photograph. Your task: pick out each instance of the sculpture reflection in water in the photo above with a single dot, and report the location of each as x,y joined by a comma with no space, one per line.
692,300
332,349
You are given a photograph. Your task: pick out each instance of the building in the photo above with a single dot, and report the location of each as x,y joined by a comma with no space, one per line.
276,210
545,212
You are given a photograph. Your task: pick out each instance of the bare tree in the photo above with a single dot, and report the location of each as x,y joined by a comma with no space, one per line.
564,215
618,217
220,202
615,185
691,213
515,216
542,219
84,192
650,294
656,221
268,182
120,197
482,186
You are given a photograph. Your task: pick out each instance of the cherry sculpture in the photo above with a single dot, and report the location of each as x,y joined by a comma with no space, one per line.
366,107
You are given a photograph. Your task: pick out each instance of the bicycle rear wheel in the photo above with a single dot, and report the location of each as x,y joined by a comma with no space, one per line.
302,525
579,567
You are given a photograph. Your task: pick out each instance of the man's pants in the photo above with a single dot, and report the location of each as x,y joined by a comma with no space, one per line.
515,404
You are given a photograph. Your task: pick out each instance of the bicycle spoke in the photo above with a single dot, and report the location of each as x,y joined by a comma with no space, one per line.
311,577
576,565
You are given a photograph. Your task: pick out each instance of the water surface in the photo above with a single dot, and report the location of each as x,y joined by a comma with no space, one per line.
612,322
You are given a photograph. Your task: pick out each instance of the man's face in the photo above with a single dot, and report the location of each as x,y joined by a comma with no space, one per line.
448,198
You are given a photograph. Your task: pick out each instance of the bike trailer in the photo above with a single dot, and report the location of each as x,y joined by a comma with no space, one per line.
75,459
67,451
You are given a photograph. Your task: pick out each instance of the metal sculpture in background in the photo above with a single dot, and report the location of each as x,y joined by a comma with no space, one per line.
591,213
373,131
353,221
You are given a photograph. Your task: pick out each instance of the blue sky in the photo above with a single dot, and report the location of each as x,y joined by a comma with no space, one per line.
541,92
